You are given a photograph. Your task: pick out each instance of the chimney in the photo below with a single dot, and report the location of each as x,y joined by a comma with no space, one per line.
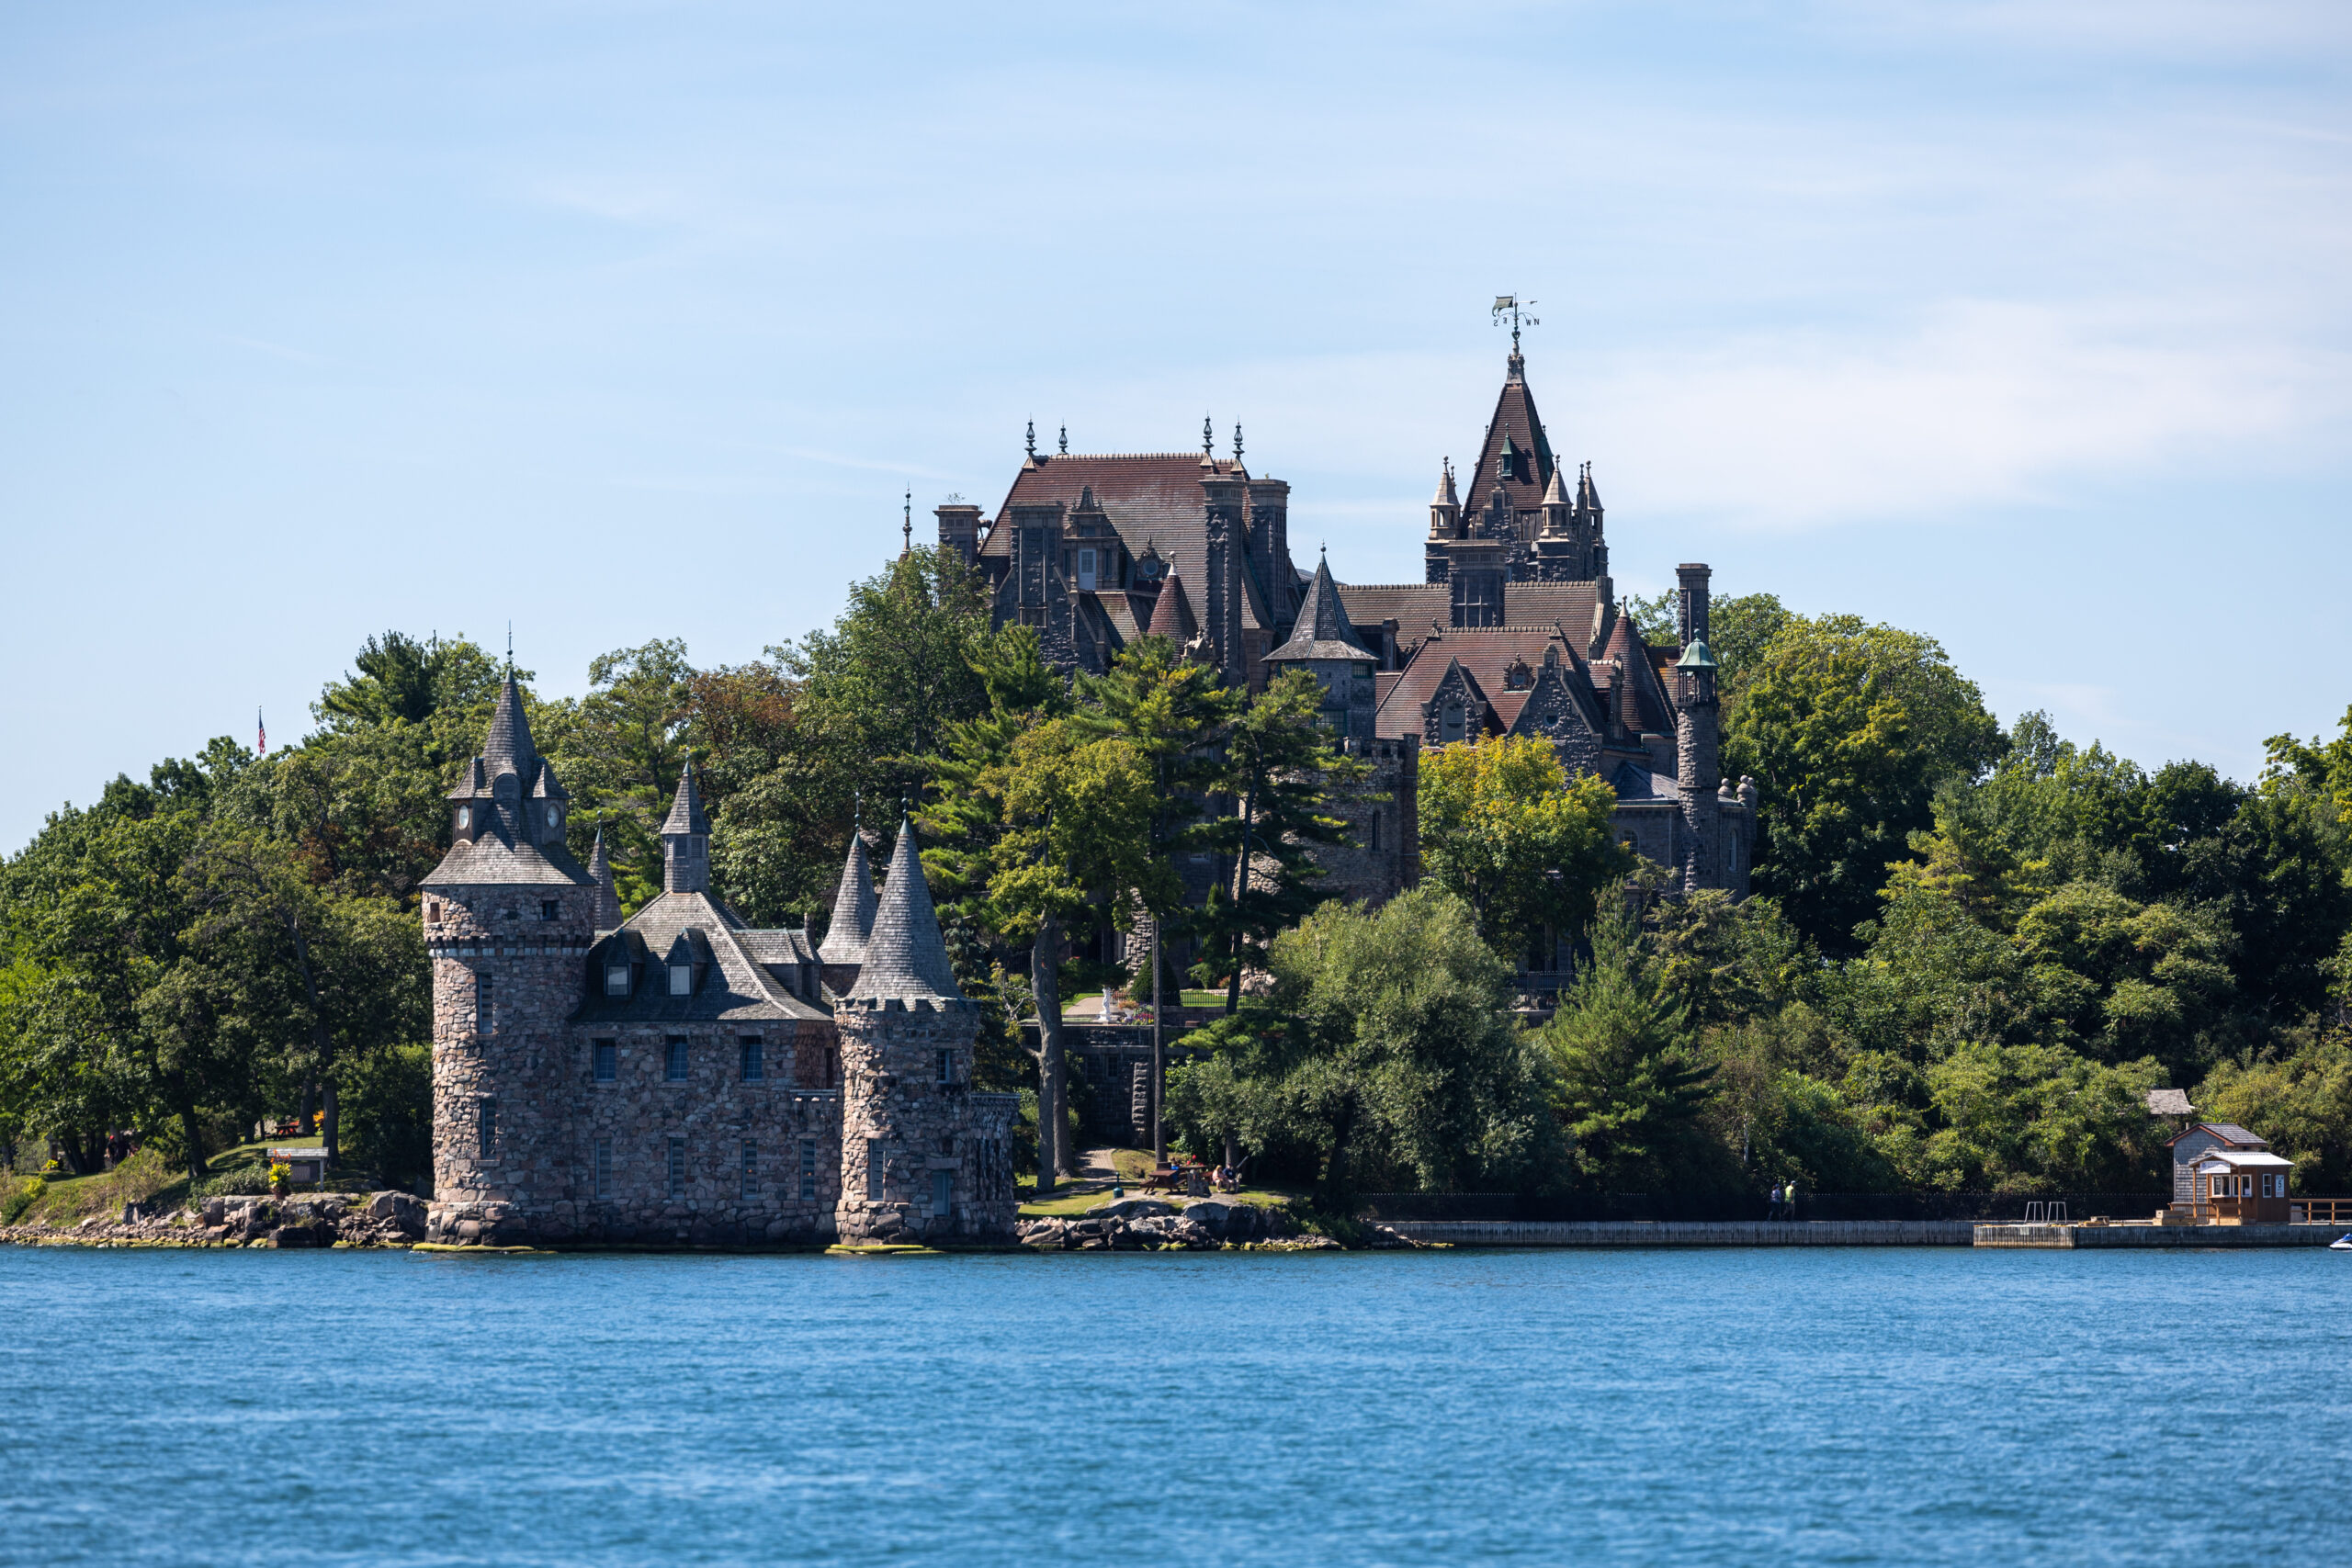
1221,595
959,530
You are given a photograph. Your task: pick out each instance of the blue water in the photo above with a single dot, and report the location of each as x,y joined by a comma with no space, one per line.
1722,1407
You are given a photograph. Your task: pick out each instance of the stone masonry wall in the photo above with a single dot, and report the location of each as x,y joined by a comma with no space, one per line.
902,1125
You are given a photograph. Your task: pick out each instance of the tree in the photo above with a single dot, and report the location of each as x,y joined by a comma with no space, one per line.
1506,831
1627,1087
1176,714
1278,767
883,689
1848,729
1385,1052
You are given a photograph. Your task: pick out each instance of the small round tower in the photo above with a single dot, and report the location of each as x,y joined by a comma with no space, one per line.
923,1158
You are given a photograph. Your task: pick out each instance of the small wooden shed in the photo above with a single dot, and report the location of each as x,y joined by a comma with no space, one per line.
2221,1171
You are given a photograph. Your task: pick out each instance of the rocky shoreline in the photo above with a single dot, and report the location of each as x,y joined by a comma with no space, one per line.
392,1219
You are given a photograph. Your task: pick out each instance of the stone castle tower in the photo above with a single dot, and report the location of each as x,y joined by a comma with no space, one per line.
923,1158
509,918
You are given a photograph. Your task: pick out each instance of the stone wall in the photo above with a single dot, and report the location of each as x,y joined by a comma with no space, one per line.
906,1124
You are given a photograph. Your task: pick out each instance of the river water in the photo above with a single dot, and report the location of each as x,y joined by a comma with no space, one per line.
1896,1406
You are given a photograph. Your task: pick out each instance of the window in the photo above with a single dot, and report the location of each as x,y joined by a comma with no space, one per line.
431,909
1086,568
549,909
464,818
682,980
608,1053
616,979
1450,728
677,1167
485,1005
874,1167
486,1127
555,818
676,1069
947,1066
603,1167
1375,830
942,1189
750,1171
755,1066
808,1171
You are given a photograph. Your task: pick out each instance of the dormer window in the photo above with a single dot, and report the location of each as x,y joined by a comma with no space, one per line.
1450,726
1086,568
682,980
464,818
617,980
555,818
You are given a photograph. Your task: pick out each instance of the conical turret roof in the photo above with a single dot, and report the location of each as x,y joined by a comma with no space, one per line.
1445,496
904,956
507,748
1323,630
1555,493
1170,616
852,908
686,815
608,897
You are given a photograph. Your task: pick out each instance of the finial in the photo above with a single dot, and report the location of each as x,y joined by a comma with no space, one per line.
510,650
1033,438
857,809
1236,441
907,525
1065,442
1208,437
1512,307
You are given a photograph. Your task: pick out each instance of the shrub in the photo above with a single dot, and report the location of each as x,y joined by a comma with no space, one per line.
23,1198
241,1181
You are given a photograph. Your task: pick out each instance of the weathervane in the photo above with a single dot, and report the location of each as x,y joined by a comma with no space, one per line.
1512,306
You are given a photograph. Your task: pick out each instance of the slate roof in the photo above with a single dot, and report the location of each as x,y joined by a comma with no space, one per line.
853,908
1412,606
1485,653
1514,419
2229,1133
496,859
905,958
734,985
1322,630
1172,616
1151,500
686,815
2170,1102
508,745
608,898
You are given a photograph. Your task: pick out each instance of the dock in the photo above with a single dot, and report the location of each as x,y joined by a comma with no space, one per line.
1849,1232
2149,1235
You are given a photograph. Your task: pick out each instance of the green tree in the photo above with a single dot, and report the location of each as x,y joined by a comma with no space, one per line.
1384,1053
1848,729
1627,1087
1279,768
1506,831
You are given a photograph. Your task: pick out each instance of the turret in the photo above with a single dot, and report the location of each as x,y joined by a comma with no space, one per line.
844,947
1323,644
1446,527
608,897
922,1156
686,840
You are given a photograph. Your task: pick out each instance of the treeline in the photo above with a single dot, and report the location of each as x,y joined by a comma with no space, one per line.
1970,953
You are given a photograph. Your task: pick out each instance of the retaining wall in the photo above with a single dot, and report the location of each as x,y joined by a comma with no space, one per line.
2155,1235
1689,1233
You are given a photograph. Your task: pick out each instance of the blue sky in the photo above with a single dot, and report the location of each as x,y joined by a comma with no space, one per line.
2022,324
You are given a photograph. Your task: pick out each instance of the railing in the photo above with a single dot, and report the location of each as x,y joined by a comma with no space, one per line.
2041,1213
2319,1212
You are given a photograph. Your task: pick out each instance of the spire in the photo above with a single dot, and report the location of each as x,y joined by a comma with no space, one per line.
1555,493
1445,496
904,956
1323,630
1170,616
608,897
507,748
853,908
686,815
686,841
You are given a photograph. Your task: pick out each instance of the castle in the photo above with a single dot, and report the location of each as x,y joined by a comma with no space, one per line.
1515,630
679,1077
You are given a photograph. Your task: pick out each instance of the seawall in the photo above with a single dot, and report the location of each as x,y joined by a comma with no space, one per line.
2156,1236
1688,1232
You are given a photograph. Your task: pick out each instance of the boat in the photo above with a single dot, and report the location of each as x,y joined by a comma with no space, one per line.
2341,1243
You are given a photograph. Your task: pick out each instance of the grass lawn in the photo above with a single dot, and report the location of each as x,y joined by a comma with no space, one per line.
143,1178
1200,999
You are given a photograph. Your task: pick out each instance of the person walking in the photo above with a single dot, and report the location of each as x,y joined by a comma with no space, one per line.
1772,1204
1790,1198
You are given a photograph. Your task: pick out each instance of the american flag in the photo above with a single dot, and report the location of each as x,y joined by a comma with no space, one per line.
261,735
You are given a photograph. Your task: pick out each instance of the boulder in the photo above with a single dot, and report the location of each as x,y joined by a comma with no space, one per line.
294,1235
1130,1209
